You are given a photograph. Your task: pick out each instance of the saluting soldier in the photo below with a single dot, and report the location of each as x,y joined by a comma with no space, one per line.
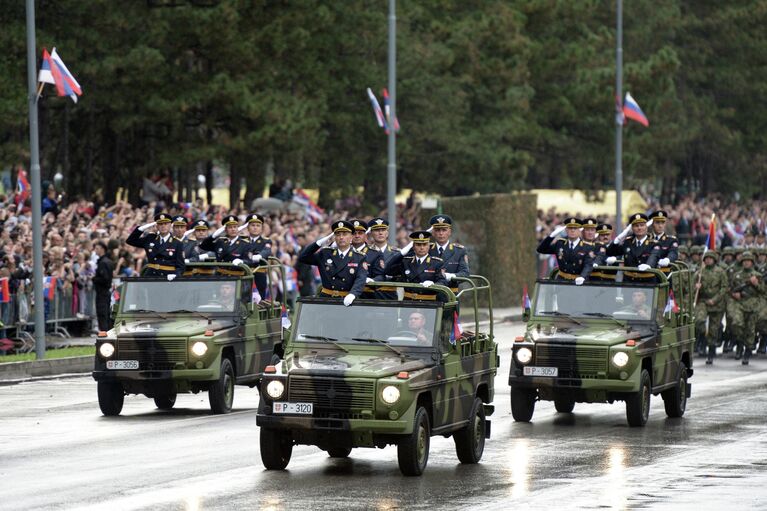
638,249
379,231
258,250
230,248
574,257
418,266
455,260
669,245
712,286
343,270
746,289
372,257
589,235
164,253
192,252
604,234
178,227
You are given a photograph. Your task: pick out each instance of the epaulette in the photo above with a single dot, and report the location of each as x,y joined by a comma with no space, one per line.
589,243
178,239
456,245
437,258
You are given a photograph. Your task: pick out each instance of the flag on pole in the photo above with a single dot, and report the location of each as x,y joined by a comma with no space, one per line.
255,295
711,238
387,110
457,330
49,287
632,111
5,292
525,299
22,186
314,213
671,305
285,318
54,71
377,110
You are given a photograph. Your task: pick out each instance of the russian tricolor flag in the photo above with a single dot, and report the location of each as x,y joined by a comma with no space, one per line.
387,110
55,71
632,111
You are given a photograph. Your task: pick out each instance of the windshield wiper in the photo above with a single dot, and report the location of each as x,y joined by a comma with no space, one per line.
562,315
147,311
603,315
331,340
380,341
187,311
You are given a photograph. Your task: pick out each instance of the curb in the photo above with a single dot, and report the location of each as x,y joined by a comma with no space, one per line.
12,372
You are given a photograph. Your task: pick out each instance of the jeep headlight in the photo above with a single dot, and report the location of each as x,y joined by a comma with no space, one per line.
390,394
524,355
275,389
620,359
107,349
199,348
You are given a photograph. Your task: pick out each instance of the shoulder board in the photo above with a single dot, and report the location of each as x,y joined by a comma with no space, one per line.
392,247
458,245
326,248
435,258
178,239
589,243
432,244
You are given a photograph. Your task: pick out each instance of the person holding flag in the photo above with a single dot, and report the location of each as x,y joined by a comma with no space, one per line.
711,293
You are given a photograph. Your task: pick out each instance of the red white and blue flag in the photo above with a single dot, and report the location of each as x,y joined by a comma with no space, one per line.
525,299
285,318
632,111
5,292
49,288
457,330
314,213
255,295
54,71
671,305
23,187
377,110
387,111
711,238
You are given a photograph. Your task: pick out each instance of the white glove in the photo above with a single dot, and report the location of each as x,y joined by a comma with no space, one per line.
664,262
427,283
325,240
186,261
334,245
430,229
407,248
237,261
202,257
594,265
559,229
187,234
649,223
643,267
611,260
144,227
368,280
218,232
242,227
579,281
348,299
449,276
622,236
171,277
256,258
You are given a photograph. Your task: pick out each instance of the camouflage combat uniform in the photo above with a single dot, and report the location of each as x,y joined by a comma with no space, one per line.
711,303
747,295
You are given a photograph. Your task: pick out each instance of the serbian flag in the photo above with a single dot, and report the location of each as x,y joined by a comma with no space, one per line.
377,110
49,288
457,330
671,305
525,299
256,296
23,187
314,213
5,292
387,110
632,111
285,318
711,238
55,71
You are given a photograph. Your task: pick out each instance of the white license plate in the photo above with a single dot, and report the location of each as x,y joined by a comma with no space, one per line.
122,364
540,371
293,408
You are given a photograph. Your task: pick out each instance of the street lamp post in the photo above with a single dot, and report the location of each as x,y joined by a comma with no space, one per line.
618,115
391,168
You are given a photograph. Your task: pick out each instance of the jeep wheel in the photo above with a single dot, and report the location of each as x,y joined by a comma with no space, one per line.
276,448
165,402
470,441
564,405
221,392
413,450
522,404
638,403
111,397
675,399
339,452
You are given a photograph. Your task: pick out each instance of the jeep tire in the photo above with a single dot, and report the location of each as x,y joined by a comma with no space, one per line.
413,449
470,441
564,405
638,403
522,404
221,392
165,402
111,397
339,452
675,399
276,448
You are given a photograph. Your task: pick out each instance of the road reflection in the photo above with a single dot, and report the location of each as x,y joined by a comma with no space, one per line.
614,492
518,466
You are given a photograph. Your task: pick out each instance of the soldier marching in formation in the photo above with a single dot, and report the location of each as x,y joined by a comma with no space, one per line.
711,291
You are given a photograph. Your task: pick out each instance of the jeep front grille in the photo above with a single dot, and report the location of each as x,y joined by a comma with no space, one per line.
573,361
152,353
332,393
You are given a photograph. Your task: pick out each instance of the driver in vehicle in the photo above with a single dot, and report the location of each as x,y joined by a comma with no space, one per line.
639,305
225,296
415,324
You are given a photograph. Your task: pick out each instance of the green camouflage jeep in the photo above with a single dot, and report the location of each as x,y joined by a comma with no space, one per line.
606,341
201,332
383,372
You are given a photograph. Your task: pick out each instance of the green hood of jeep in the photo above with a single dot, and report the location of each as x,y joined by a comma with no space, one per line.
178,327
599,334
362,364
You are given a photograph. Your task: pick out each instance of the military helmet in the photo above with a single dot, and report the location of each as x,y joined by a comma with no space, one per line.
683,249
713,254
747,255
696,249
728,251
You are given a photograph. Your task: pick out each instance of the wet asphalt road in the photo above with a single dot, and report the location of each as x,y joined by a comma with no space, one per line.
58,452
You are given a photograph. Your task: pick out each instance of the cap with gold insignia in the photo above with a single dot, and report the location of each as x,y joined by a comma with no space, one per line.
573,222
604,229
230,220
659,215
359,225
179,220
201,224
638,218
589,222
254,218
342,226
420,236
441,221
162,218
378,223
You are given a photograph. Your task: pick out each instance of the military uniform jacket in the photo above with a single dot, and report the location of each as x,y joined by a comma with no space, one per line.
713,286
633,254
669,246
454,258
600,252
749,294
257,246
226,250
575,261
192,251
170,253
378,265
408,269
337,274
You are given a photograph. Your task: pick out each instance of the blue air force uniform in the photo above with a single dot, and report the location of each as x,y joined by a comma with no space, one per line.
668,244
455,260
413,269
165,256
227,249
637,251
258,245
574,258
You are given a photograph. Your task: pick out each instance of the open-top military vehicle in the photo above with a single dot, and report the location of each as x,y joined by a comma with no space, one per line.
383,372
202,332
606,341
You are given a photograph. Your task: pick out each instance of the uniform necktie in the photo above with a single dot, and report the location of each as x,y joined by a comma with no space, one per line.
441,251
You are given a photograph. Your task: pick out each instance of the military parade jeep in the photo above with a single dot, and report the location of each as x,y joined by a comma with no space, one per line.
382,372
606,341
197,333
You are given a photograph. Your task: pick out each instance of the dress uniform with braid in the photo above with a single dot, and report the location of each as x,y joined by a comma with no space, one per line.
341,273
165,254
575,258
668,244
227,249
257,245
414,269
192,250
377,265
636,251
599,249
455,260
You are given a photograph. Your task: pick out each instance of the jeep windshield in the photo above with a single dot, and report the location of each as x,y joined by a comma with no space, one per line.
616,302
194,296
366,325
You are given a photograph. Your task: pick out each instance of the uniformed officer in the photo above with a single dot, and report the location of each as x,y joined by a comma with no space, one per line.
230,248
372,257
669,245
417,267
164,253
746,289
589,235
197,232
379,231
604,234
574,257
638,249
455,260
712,286
343,271
178,227
258,250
